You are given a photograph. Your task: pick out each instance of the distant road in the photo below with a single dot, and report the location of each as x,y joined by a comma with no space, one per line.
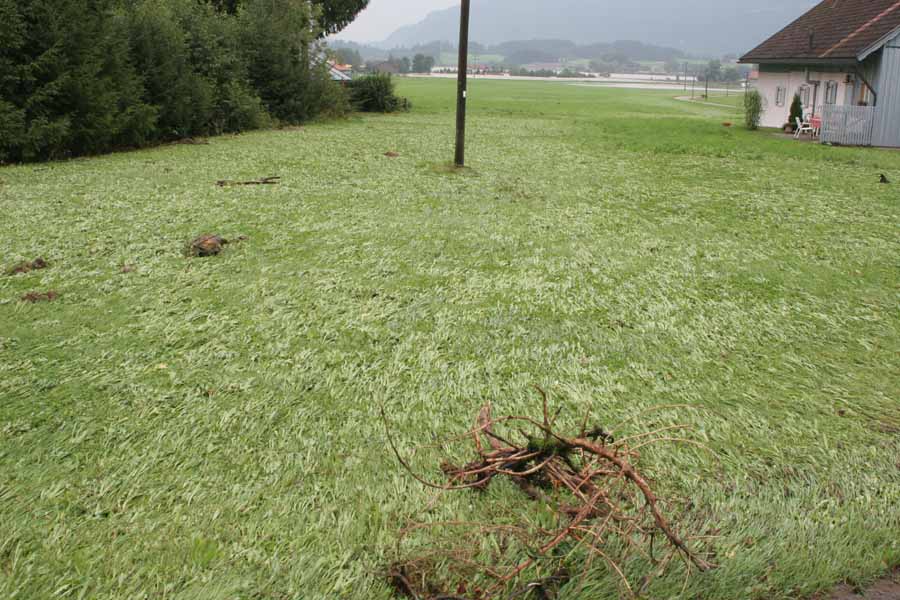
606,83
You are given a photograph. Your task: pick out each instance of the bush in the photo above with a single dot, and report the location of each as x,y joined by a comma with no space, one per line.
80,77
753,109
12,128
328,98
796,111
66,79
376,93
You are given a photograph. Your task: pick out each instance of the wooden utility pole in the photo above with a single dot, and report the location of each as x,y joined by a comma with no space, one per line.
462,79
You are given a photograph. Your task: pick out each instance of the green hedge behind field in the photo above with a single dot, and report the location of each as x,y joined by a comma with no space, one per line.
89,76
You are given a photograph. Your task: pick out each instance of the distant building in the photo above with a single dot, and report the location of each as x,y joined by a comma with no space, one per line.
338,74
385,67
838,57
554,67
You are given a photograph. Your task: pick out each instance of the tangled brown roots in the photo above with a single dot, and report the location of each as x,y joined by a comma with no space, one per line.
604,507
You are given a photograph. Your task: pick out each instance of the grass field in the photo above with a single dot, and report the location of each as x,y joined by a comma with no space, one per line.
733,99
209,428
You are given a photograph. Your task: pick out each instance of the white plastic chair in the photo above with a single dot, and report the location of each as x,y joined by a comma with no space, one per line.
802,128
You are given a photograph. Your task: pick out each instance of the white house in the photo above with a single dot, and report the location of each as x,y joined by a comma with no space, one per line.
842,53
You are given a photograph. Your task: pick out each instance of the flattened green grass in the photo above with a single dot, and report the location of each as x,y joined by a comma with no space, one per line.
208,428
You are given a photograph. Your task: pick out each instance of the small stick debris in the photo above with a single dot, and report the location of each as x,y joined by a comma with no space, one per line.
35,297
27,267
392,154
263,181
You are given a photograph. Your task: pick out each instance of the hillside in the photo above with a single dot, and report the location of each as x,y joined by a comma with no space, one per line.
703,26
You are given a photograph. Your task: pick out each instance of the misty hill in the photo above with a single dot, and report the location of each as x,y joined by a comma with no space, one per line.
703,26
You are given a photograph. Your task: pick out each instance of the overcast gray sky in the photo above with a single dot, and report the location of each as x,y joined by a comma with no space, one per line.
383,17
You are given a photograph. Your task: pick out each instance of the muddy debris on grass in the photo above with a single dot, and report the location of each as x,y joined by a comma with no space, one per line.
262,181
26,266
392,154
127,269
35,297
209,245
606,510
206,245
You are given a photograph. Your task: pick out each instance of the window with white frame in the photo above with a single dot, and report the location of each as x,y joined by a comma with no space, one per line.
831,92
780,95
804,95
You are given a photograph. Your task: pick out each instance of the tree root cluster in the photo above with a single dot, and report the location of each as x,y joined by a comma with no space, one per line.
598,508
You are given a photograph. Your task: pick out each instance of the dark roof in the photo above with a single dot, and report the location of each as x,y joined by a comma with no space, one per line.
835,30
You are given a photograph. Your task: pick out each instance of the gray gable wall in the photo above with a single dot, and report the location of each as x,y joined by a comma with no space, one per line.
887,123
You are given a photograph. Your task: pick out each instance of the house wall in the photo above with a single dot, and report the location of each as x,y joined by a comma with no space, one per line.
793,79
887,122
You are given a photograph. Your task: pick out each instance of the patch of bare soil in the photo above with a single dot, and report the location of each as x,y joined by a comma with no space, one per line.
885,589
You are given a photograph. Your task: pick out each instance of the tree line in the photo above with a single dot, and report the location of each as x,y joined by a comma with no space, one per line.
420,63
522,52
90,76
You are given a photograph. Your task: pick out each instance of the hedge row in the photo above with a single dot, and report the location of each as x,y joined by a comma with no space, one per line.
90,76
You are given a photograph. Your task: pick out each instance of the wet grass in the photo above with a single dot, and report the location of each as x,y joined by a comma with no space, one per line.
208,428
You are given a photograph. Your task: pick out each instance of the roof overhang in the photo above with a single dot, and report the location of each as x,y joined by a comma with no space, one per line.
878,45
